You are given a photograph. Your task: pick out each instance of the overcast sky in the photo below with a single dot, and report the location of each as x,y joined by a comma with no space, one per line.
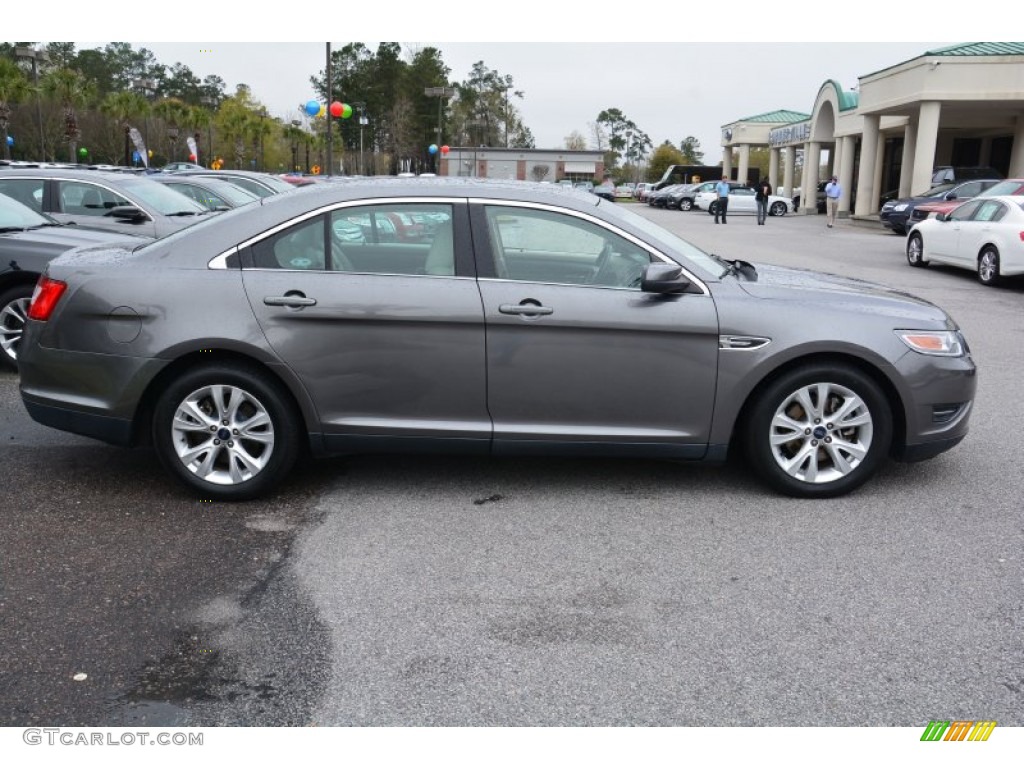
668,89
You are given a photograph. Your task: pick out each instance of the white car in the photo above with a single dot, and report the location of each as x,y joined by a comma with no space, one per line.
741,200
983,235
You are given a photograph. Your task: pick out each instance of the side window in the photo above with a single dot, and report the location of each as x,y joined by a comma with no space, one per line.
299,247
395,239
83,199
542,246
965,211
26,191
990,210
204,197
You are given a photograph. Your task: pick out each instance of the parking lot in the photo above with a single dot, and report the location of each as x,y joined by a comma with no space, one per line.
453,591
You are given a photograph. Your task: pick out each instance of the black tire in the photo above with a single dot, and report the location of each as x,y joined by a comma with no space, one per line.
685,204
988,266
825,459
13,315
915,251
778,209
262,427
713,208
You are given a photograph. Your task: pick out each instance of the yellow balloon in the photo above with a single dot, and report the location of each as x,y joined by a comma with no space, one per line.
323,110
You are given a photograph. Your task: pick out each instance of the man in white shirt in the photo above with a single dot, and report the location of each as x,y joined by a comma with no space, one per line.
832,193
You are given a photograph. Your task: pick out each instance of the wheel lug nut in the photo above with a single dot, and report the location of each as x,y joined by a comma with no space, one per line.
216,442
224,422
231,443
817,421
235,431
828,439
814,442
807,431
830,425
213,427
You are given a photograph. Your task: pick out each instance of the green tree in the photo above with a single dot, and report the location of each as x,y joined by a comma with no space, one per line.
692,154
14,88
625,139
661,159
70,89
124,107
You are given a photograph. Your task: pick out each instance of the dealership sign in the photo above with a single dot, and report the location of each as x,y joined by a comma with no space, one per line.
789,134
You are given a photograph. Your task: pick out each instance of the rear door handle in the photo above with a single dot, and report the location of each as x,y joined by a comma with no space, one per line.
524,309
288,301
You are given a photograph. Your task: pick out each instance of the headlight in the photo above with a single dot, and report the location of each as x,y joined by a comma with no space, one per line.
900,207
940,343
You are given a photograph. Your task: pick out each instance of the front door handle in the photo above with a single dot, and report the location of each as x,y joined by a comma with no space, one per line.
529,310
290,300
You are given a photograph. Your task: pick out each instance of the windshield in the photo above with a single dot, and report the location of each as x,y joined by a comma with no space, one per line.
1003,188
14,215
160,198
676,244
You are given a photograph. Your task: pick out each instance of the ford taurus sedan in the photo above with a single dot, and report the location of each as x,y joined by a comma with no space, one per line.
528,320
743,200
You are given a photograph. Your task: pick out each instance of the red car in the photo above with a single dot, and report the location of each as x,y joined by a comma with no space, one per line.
1005,187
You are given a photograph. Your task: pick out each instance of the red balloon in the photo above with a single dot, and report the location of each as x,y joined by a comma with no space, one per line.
192,158
444,150
337,108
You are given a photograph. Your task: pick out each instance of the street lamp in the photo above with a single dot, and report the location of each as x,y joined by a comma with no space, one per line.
211,103
363,122
297,125
442,92
24,52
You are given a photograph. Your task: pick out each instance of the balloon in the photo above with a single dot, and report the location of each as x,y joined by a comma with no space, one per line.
192,157
10,141
346,110
83,151
336,108
150,154
312,107
444,150
322,111
432,149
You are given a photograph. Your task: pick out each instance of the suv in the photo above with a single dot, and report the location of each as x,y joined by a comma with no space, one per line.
944,174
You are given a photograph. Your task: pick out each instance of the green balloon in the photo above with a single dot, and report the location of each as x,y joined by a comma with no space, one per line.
83,151
346,111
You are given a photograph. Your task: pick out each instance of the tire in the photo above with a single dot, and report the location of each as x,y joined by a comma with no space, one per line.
915,251
13,317
713,208
228,431
988,266
777,209
822,458
685,204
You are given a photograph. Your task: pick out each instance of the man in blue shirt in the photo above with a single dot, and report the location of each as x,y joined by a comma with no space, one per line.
832,193
723,198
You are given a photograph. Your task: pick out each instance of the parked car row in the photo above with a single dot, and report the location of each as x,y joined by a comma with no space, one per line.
704,196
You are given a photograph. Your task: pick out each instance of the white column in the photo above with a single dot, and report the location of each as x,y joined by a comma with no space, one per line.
742,176
809,186
867,196
727,162
845,159
773,167
787,173
909,148
924,154
1017,153
837,157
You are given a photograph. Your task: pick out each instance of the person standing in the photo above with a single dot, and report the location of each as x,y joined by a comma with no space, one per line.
832,193
722,188
764,191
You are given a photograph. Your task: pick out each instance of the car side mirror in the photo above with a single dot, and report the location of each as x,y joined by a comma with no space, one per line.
128,213
942,217
663,278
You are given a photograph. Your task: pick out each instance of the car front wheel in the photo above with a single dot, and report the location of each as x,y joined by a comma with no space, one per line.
13,316
819,431
685,205
227,431
988,266
713,208
915,251
777,209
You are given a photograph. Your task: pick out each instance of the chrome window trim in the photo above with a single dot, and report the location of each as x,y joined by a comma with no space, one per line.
221,261
487,201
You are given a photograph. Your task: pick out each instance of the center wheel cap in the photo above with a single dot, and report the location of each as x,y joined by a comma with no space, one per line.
224,433
820,432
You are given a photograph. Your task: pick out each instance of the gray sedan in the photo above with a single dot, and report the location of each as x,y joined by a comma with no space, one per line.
526,319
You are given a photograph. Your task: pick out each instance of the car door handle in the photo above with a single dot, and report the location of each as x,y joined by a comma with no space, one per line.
288,301
524,309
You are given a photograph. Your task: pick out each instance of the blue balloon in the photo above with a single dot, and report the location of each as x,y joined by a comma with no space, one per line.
10,141
136,157
432,149
312,107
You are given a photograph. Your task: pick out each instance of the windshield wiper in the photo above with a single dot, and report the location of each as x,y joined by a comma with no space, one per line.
12,229
738,267
186,213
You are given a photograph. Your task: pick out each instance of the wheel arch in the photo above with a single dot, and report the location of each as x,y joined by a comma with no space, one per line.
892,393
299,400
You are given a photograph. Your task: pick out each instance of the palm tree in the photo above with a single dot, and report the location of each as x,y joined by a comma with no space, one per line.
14,88
72,90
124,106
174,113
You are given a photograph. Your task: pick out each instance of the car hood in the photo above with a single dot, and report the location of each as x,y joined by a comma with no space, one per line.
65,237
840,293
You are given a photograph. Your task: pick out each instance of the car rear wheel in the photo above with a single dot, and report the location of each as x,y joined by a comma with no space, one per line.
713,208
227,431
915,251
777,209
13,317
988,266
685,204
819,431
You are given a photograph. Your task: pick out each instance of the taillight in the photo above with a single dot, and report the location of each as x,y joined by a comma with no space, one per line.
45,298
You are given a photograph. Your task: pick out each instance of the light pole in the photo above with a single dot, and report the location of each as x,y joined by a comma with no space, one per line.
211,103
442,92
24,52
296,125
